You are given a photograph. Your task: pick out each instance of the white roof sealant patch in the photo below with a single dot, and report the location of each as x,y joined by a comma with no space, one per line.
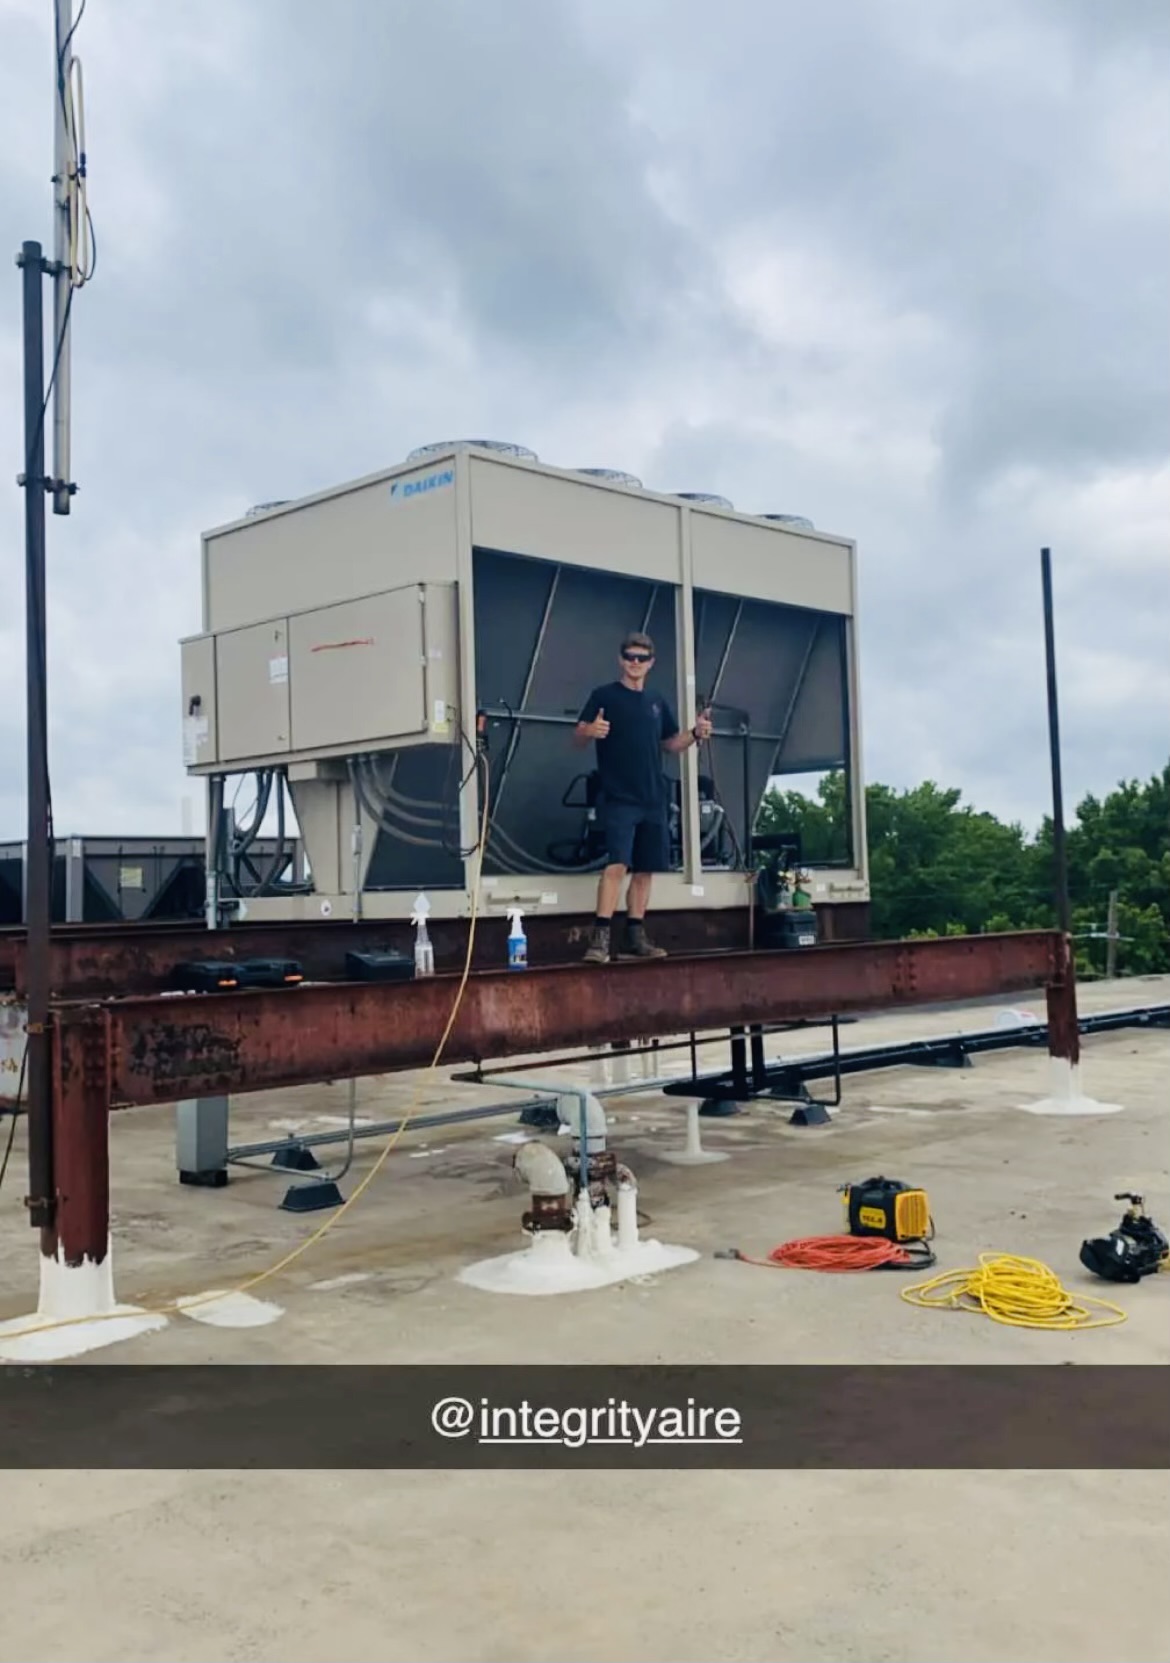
53,1340
223,1308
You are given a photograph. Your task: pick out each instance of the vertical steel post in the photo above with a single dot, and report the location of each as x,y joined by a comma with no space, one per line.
81,1126
739,1065
759,1063
1059,854
214,847
1064,1038
39,850
1064,1034
748,818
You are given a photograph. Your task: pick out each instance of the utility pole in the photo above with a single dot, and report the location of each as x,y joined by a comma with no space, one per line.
1111,933
38,851
68,271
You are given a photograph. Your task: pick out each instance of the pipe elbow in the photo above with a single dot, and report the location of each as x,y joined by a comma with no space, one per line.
569,1114
541,1169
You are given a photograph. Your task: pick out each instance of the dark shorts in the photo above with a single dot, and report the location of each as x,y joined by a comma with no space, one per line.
635,837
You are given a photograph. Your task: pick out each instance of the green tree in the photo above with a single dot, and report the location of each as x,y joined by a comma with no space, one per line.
939,866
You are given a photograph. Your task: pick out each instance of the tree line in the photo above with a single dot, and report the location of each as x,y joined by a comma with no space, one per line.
939,866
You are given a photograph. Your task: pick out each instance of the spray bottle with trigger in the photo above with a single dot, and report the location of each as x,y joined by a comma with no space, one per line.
517,942
424,952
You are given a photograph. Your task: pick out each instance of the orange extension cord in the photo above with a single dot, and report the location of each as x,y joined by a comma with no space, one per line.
840,1254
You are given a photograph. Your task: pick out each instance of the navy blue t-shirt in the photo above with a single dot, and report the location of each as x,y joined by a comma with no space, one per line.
629,758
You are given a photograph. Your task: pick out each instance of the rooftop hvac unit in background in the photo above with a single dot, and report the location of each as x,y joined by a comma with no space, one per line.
266,507
705,497
795,522
614,476
520,452
99,880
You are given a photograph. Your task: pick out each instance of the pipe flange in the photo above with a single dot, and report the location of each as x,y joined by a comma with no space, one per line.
548,1212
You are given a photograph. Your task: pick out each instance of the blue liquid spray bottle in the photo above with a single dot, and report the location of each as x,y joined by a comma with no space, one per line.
517,943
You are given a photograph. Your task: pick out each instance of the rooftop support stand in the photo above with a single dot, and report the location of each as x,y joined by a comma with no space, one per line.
692,1153
201,1141
727,1100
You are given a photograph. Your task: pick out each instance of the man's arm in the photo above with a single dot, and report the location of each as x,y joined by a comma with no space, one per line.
674,742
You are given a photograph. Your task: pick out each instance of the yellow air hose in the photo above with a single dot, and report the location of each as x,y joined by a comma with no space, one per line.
1022,1293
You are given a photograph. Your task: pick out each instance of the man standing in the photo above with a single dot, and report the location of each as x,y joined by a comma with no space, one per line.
631,728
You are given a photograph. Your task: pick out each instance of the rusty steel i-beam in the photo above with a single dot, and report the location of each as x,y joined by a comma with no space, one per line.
111,960
130,1052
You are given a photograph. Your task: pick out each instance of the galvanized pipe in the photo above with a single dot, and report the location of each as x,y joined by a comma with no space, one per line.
318,1140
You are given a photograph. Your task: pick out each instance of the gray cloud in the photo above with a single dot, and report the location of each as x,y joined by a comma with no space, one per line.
898,267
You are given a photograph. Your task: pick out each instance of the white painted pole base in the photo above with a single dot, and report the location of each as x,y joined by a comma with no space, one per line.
693,1154
1067,1098
76,1312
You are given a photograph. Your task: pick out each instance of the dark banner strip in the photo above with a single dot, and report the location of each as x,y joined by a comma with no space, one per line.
1005,1417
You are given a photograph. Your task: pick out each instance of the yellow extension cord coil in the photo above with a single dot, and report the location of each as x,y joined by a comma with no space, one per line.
1023,1293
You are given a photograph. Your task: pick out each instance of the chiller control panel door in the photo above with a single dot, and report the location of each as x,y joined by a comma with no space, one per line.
253,691
359,671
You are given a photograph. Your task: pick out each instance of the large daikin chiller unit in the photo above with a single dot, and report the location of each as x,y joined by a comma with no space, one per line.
385,651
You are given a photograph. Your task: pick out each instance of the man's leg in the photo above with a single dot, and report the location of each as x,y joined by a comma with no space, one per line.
608,890
619,827
651,853
638,896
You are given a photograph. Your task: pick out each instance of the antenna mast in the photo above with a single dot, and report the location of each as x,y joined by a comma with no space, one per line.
70,236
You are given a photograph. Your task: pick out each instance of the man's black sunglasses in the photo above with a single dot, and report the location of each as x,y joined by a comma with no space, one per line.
637,657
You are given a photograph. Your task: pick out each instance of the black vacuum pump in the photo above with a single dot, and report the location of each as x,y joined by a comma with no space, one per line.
1135,1249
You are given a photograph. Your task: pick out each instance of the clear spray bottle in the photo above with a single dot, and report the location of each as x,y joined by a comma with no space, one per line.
424,952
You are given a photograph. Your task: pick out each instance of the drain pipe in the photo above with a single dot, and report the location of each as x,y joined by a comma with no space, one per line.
548,1186
591,1123
627,1210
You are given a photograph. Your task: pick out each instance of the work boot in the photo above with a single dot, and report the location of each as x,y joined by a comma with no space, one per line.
638,945
598,949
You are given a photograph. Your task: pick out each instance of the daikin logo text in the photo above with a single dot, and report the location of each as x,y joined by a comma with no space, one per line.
429,482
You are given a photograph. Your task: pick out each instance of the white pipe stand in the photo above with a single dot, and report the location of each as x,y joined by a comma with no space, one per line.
693,1154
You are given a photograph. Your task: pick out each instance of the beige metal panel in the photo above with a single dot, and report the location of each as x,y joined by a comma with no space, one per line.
252,691
523,511
441,647
359,542
200,736
770,564
358,671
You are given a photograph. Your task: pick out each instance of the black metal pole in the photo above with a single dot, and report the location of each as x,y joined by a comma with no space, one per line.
39,853
1059,854
748,824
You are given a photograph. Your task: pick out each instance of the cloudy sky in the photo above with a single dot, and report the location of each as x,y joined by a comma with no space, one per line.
899,265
